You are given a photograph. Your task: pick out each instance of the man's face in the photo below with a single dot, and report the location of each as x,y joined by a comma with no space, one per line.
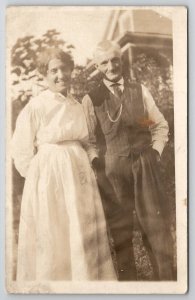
58,76
109,63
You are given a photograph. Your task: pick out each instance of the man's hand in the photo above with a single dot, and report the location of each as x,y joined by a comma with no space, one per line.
96,164
157,155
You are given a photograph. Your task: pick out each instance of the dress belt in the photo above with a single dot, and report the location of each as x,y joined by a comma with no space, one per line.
62,145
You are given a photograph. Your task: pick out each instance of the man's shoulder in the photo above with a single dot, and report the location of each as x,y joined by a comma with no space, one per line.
132,84
135,88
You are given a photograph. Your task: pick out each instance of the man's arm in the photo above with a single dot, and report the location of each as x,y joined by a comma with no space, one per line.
90,147
159,128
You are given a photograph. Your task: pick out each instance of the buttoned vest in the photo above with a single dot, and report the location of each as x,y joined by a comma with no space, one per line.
124,127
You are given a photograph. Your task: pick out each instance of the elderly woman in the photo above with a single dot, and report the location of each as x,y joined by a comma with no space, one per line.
62,232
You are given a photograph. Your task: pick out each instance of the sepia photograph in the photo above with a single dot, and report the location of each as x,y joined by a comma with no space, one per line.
96,149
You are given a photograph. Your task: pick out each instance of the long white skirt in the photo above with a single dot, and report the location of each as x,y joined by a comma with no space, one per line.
62,233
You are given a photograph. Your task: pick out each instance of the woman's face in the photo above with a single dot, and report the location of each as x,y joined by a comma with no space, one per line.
58,76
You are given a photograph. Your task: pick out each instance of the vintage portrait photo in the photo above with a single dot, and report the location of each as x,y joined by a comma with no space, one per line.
96,149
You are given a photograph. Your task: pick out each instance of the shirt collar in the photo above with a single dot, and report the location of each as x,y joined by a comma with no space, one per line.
109,84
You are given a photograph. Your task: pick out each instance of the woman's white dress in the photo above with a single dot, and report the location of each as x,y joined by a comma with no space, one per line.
62,232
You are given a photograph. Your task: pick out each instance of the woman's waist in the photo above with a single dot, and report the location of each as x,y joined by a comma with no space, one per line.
60,145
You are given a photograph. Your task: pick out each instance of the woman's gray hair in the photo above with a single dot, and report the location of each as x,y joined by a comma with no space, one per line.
48,54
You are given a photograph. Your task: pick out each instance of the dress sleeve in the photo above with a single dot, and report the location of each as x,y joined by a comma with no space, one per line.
23,140
90,146
159,128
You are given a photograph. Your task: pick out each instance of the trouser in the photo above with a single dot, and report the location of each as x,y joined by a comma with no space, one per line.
131,184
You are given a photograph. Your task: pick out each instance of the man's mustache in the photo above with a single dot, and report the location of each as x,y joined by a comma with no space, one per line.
114,70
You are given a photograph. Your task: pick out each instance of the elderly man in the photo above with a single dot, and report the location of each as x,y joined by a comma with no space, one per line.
130,133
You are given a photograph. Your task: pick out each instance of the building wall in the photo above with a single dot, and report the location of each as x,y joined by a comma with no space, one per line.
145,21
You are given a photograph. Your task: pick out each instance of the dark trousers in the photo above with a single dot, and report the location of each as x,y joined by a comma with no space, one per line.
129,184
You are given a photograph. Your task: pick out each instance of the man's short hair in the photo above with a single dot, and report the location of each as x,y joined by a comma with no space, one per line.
48,54
105,46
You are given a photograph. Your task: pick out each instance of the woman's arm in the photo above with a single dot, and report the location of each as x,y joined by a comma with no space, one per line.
90,146
23,140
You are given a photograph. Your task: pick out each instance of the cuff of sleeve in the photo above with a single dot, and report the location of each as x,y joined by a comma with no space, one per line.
21,170
159,146
92,154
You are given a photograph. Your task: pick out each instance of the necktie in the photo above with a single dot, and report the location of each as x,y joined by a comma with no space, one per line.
117,90
116,110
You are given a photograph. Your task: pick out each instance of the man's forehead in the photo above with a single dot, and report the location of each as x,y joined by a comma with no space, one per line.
100,56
